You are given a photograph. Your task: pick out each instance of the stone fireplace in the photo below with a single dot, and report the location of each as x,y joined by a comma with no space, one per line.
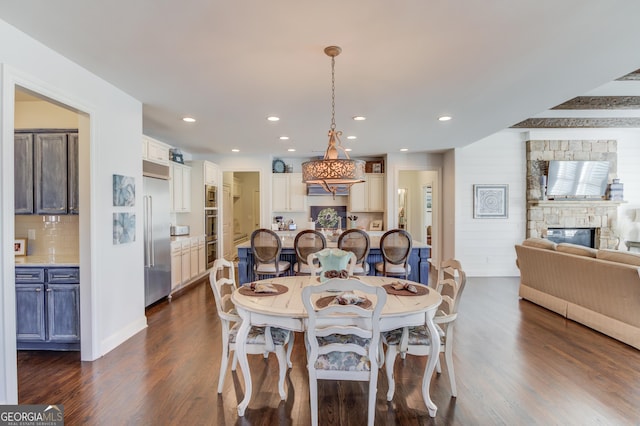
542,214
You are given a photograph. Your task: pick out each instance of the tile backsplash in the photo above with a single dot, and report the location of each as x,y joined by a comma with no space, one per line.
54,235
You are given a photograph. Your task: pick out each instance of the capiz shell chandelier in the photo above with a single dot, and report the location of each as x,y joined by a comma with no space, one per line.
331,171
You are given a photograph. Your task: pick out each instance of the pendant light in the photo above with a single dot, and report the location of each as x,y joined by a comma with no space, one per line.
331,171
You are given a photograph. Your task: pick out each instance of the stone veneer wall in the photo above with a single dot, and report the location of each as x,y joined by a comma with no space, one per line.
543,214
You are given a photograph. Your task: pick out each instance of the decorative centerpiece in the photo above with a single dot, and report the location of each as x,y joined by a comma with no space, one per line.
334,263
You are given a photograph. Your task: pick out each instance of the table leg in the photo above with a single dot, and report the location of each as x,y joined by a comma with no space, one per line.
431,363
241,352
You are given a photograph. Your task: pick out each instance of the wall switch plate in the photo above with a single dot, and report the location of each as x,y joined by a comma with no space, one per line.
32,234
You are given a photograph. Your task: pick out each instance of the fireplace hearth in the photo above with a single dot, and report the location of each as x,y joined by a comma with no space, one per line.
582,236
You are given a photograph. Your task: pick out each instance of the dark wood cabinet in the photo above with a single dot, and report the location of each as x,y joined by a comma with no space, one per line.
50,173
48,308
72,173
23,173
46,172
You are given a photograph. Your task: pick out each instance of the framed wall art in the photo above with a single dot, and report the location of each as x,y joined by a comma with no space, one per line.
20,247
490,201
124,191
375,225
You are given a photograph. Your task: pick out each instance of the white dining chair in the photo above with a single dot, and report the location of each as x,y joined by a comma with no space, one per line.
342,340
261,340
416,340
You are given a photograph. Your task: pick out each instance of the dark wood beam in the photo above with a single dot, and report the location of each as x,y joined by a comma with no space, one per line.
601,102
582,123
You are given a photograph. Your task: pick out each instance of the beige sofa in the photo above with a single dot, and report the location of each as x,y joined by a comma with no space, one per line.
597,288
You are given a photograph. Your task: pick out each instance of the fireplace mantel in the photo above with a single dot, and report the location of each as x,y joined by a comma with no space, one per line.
575,203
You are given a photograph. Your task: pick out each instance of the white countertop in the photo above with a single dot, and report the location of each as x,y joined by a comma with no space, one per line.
56,260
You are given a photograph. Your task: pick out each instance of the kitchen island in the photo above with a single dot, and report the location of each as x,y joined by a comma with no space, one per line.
420,253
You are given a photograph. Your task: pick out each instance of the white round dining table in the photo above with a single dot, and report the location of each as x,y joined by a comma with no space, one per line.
287,311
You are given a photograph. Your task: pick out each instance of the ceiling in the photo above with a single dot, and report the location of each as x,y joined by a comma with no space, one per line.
489,64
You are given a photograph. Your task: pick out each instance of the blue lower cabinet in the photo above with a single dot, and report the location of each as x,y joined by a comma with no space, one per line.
48,312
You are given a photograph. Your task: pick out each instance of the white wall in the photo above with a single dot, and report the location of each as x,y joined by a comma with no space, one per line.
485,246
112,298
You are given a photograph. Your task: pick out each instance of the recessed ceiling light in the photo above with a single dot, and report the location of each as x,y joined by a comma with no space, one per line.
291,150
189,119
352,137
359,118
235,150
348,149
273,118
445,118
284,138
404,149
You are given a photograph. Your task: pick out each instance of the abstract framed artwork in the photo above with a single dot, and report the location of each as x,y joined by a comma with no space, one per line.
124,191
490,201
124,228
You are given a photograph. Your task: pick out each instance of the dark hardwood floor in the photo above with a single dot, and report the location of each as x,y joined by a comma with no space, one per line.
516,364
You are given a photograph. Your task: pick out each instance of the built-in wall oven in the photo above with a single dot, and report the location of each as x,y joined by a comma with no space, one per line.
210,197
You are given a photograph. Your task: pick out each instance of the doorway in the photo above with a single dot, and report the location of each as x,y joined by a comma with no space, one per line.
241,209
418,206
59,237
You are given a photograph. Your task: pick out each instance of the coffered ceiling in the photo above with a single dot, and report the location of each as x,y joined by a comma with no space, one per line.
489,64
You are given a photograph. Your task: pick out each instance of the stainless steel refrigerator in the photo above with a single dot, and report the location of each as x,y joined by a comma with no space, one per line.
157,243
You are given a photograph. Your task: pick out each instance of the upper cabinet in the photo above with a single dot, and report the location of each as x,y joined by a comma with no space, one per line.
288,192
23,173
368,196
180,188
156,151
210,173
46,173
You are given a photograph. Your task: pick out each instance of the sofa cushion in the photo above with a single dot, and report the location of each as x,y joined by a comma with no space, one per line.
576,249
539,243
619,256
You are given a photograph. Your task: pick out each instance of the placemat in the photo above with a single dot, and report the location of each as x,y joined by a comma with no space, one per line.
245,290
323,302
422,290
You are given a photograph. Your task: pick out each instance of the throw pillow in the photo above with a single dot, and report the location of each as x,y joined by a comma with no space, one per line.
577,249
542,243
619,256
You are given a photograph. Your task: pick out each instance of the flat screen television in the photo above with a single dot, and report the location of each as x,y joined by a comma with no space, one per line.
577,179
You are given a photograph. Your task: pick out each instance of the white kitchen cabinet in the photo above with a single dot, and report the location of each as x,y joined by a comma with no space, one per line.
176,264
202,255
237,188
193,256
180,188
210,173
185,253
289,193
368,196
155,151
188,260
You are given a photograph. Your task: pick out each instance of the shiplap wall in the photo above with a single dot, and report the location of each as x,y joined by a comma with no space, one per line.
486,246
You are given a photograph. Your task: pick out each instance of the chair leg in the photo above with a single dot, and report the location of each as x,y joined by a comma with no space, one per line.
373,390
234,363
448,354
438,367
392,351
290,348
313,398
380,355
282,366
224,362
